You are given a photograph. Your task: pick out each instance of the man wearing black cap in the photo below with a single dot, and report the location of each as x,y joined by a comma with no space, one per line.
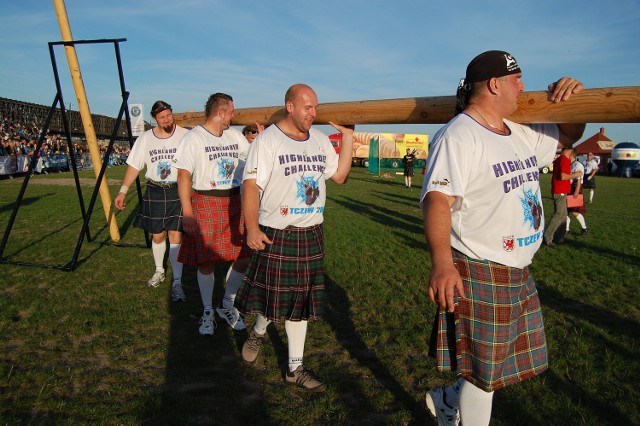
483,222
160,213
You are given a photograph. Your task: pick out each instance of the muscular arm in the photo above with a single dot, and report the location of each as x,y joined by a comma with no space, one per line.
256,239
184,193
345,158
129,177
444,278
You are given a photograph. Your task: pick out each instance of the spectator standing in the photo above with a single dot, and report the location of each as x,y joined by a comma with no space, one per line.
590,170
560,187
408,160
576,189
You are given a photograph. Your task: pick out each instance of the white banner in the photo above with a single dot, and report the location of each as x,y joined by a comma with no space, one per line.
136,112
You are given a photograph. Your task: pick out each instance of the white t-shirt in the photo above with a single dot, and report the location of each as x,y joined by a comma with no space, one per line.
291,175
591,166
156,154
498,212
214,162
577,166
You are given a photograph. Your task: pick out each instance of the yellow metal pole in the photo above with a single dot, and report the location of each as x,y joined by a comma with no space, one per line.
85,114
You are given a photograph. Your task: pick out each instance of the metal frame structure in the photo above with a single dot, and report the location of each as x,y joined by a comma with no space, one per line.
86,212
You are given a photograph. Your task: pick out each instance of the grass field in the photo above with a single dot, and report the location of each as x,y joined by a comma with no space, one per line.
97,346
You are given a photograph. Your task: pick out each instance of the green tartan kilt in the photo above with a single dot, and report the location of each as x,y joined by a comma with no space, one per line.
285,281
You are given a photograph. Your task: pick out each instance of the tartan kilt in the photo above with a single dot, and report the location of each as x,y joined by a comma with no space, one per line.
495,337
285,281
589,183
220,236
160,210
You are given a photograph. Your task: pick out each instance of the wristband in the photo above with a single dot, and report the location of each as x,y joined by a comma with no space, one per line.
124,189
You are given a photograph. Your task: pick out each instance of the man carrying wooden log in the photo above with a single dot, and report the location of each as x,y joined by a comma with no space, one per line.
160,213
283,201
483,221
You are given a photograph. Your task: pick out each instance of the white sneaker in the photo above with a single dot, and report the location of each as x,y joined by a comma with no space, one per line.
232,316
207,324
445,415
156,279
177,293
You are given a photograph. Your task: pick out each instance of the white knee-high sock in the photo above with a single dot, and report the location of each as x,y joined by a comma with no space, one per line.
261,324
234,280
475,405
591,195
581,221
158,250
176,267
296,335
205,283
568,223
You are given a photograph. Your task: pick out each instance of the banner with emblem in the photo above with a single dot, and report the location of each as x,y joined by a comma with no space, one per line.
137,119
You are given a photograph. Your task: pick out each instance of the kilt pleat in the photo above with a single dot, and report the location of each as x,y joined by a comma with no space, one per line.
285,281
220,236
495,337
160,210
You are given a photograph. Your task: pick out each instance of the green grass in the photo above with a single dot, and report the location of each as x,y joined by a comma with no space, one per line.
97,346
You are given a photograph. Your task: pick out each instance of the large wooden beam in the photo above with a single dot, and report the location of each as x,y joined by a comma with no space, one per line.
87,121
602,105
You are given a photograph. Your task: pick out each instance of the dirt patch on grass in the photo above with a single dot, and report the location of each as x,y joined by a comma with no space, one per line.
71,182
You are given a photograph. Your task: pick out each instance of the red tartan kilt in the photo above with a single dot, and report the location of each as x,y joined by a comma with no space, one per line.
220,236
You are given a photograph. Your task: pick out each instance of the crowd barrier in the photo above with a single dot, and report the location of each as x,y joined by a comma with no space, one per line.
18,164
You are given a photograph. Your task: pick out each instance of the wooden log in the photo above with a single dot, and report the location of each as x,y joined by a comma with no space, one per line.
601,105
85,115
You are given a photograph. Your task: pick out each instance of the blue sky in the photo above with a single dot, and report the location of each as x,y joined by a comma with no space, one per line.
181,51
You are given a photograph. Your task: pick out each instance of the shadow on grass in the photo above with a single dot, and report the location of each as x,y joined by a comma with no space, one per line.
337,315
205,378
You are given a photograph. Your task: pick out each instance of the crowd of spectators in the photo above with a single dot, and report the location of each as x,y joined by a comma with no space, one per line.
17,139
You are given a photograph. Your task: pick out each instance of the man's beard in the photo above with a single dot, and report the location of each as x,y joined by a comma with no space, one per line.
168,128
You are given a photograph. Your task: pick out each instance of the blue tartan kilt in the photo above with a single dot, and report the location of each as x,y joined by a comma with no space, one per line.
160,210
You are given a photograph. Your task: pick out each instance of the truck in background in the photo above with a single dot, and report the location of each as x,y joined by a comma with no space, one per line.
391,148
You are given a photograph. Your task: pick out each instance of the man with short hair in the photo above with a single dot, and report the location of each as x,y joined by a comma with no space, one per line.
590,170
283,200
210,159
576,189
483,222
560,188
160,213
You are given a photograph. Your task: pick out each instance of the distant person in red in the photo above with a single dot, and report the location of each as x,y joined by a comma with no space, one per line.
560,187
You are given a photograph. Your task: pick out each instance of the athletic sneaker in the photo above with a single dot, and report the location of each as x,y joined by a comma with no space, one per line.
252,346
177,293
156,279
207,324
304,379
232,316
445,415
584,231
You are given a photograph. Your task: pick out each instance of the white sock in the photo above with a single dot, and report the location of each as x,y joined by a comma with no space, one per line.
568,223
176,266
590,196
206,282
296,336
581,221
234,281
475,405
261,324
158,250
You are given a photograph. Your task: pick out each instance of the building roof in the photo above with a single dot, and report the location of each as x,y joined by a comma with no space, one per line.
599,144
